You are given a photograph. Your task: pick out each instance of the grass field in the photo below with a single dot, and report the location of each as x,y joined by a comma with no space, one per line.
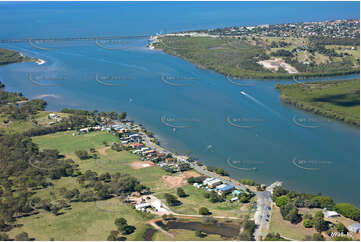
335,99
286,229
195,200
95,220
66,143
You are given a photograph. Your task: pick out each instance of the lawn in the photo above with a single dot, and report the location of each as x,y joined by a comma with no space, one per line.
195,200
66,143
285,228
85,221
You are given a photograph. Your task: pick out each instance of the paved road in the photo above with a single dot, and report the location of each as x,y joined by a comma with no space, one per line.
262,215
263,212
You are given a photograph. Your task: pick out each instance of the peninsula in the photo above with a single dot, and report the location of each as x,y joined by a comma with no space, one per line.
281,51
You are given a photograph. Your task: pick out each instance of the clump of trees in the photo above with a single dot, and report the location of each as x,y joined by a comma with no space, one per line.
122,229
348,210
181,192
171,200
246,181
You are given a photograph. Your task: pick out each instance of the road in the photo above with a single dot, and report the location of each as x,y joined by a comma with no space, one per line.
263,212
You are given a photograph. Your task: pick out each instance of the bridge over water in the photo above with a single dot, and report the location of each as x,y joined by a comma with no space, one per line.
74,38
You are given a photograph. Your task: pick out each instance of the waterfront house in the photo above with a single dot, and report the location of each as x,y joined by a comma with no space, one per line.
214,183
330,214
224,189
236,193
354,227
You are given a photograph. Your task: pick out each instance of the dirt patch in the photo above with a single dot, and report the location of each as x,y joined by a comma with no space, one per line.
275,64
141,164
174,181
102,150
188,174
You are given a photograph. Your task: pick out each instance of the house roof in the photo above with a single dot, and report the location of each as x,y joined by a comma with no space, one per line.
225,188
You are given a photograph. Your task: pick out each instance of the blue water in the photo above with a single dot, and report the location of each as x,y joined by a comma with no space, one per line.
263,133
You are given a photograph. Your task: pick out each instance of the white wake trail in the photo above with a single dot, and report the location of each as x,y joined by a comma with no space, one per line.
259,102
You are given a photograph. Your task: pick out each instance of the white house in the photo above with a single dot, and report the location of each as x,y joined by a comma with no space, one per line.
354,227
330,214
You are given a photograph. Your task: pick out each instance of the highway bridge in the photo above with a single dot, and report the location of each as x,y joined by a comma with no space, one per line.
74,38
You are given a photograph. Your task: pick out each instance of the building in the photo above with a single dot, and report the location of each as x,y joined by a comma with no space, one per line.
142,206
330,214
236,193
354,227
224,188
212,182
197,185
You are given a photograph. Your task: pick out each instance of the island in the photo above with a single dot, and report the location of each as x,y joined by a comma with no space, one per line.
280,51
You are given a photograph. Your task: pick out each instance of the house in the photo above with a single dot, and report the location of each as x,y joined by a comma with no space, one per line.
354,227
224,188
137,146
205,182
214,183
53,115
330,214
84,130
142,206
197,185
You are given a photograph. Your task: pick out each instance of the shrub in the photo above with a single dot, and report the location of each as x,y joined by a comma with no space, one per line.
203,211
307,223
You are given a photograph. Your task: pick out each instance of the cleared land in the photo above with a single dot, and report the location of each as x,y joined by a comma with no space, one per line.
334,99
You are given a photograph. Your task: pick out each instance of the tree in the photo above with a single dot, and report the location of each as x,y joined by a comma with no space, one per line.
246,181
4,237
278,191
128,229
307,223
122,115
23,236
318,237
282,200
274,237
171,200
341,228
293,216
200,234
82,154
180,192
322,202
319,223
348,210
203,211
120,222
